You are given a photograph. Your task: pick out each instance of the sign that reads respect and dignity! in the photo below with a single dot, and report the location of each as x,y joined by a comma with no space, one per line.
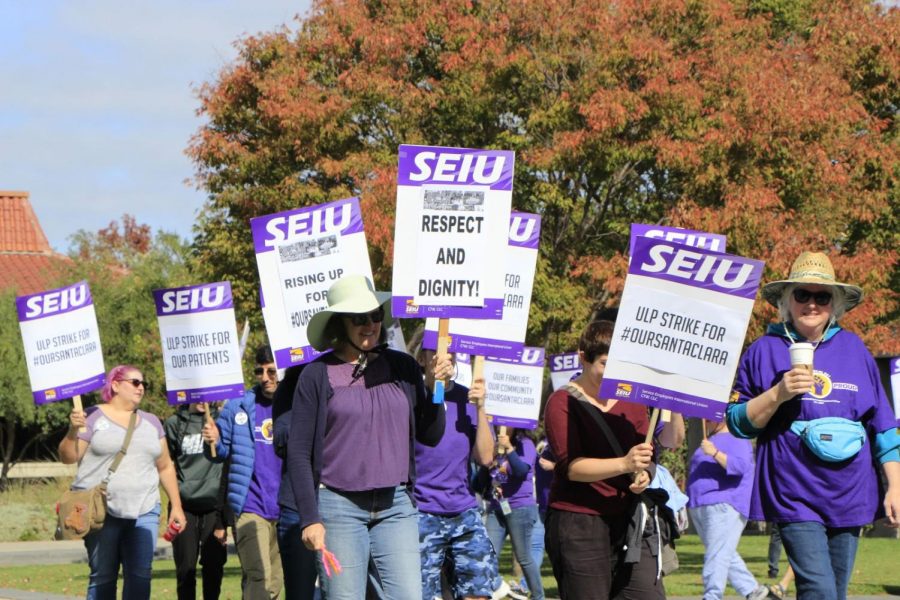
506,336
688,237
513,388
62,342
300,254
563,367
680,328
451,203
199,343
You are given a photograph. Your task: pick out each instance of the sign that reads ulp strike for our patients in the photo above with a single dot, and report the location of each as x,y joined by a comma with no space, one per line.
451,205
62,342
199,343
513,388
300,254
506,336
680,328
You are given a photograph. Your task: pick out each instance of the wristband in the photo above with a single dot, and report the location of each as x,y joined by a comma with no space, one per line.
716,454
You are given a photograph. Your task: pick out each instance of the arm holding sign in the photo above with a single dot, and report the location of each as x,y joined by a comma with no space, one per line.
71,448
483,450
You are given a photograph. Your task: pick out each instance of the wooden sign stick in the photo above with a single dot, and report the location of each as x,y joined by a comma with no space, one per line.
502,431
478,369
443,342
76,403
654,417
209,420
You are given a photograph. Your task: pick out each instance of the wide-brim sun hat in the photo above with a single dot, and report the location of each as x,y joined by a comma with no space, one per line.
813,268
353,294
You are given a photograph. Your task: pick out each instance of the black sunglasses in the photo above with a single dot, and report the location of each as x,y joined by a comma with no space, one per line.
271,371
376,316
821,298
138,382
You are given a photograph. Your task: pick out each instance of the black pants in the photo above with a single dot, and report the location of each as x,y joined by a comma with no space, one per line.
197,539
585,553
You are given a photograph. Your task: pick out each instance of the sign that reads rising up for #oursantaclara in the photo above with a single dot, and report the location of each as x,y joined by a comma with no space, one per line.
680,328
62,342
300,254
199,343
453,207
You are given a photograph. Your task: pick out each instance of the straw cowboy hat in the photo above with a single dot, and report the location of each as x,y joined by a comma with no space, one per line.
813,268
350,294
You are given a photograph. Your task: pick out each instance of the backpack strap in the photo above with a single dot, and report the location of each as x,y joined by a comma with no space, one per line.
121,454
597,415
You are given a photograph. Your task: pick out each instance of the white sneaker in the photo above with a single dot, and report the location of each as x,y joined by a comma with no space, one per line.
501,592
760,593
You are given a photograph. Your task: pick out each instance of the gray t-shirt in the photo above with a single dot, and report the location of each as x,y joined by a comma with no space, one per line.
134,488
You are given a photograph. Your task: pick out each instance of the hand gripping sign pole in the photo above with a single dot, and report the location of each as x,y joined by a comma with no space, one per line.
76,403
442,345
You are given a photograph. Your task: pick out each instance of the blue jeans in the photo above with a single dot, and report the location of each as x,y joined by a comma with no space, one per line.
379,526
537,544
297,561
129,542
720,527
822,558
520,525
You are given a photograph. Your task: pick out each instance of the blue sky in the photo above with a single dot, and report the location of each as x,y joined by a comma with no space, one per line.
98,102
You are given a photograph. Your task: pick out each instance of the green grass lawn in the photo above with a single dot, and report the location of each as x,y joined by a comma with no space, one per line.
875,572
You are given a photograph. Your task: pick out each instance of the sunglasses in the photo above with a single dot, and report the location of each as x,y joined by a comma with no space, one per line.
821,298
138,383
271,371
376,316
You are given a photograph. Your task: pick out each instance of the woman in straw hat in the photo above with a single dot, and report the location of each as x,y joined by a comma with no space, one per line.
822,426
357,412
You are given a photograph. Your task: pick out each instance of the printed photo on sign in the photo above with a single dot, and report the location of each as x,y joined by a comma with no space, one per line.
680,328
450,204
513,389
300,253
62,342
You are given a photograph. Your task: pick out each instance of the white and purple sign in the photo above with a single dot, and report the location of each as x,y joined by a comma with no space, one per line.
200,346
688,237
62,342
300,253
680,328
563,367
463,375
513,388
895,385
451,203
506,336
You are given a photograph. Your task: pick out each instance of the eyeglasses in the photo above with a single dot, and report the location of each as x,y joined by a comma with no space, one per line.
138,383
376,316
271,371
821,298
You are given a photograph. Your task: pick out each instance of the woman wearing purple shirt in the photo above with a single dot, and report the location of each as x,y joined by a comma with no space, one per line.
820,499
356,414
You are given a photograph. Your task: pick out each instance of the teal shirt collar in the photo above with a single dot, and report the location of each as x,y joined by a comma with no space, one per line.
781,329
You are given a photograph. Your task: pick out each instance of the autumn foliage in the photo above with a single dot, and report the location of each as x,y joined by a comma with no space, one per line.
771,121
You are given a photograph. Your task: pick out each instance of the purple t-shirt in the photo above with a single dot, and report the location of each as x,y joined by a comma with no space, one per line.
518,490
262,495
442,472
708,483
367,429
792,485
542,478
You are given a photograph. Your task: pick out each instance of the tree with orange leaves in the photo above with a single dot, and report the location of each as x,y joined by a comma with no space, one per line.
770,121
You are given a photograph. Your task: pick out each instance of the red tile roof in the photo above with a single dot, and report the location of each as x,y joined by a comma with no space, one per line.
27,263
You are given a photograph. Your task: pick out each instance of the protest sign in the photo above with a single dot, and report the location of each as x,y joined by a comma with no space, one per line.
200,346
895,385
680,328
62,342
506,336
513,388
451,202
300,253
463,369
688,237
563,367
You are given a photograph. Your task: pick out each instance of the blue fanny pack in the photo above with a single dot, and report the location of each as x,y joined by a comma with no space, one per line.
833,439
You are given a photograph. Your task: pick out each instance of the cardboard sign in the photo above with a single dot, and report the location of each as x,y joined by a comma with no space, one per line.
506,336
563,367
681,327
513,389
200,346
62,342
300,254
688,237
451,202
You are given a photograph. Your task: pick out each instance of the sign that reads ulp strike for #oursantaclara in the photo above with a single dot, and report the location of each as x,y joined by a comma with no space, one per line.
448,256
563,367
688,237
680,328
199,343
300,254
506,336
513,388
62,342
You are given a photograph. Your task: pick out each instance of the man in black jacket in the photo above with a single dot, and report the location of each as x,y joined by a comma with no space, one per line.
202,489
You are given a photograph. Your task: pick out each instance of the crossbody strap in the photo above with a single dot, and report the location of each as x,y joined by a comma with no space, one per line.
121,454
597,415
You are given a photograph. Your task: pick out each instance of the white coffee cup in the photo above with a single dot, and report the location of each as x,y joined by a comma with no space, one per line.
802,354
